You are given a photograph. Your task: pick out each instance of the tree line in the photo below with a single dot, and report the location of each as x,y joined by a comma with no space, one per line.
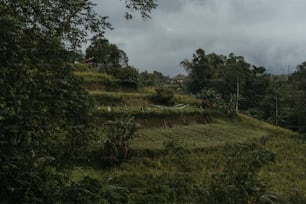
215,78
279,99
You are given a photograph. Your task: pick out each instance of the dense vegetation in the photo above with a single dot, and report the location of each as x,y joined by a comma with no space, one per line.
92,129
46,116
277,99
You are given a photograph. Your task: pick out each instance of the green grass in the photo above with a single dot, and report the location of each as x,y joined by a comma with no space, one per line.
138,98
94,77
121,98
148,116
197,136
205,156
288,173
131,94
186,99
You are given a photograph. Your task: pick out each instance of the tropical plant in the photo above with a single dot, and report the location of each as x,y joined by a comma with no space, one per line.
117,137
229,107
210,98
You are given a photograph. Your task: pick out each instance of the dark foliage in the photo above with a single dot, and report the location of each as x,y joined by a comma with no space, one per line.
238,183
163,96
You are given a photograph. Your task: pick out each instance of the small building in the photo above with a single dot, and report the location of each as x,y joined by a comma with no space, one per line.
178,79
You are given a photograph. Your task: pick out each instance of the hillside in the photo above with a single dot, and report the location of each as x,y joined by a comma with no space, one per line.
178,153
187,156
79,123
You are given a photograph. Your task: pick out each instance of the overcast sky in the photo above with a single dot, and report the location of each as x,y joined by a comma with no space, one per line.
269,33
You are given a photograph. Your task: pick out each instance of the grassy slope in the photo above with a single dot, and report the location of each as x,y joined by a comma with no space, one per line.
217,133
138,98
285,175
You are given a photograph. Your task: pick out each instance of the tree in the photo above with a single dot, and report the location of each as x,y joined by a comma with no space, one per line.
227,75
199,71
296,119
106,55
128,76
151,79
237,71
45,115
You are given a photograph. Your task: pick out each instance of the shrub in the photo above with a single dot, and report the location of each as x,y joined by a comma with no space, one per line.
163,96
229,107
118,135
238,182
90,190
210,98
177,154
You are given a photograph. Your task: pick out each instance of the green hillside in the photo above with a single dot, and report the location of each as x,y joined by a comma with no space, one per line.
178,154
189,156
79,123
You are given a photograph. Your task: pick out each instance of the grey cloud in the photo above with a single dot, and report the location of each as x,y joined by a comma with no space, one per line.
267,33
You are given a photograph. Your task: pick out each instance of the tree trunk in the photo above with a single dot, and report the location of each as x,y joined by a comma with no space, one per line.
276,109
237,96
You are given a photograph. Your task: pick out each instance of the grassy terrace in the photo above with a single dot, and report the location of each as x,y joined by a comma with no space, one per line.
149,116
150,165
219,132
137,98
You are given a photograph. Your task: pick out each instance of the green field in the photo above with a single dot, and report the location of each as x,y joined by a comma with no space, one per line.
219,132
150,173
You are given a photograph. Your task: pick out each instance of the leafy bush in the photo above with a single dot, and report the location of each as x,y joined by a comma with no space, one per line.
177,154
238,182
128,77
90,190
118,135
30,180
210,98
297,196
163,96
229,107
45,116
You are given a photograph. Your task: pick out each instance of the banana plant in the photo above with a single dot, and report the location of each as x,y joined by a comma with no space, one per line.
118,135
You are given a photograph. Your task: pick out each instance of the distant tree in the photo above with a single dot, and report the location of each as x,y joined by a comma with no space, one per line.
297,117
199,71
128,76
105,54
151,79
228,76
236,74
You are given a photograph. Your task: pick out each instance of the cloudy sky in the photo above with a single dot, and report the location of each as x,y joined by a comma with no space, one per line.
269,33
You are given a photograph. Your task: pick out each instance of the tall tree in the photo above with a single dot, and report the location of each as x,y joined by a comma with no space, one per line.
199,71
44,113
106,55
237,70
228,75
297,117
